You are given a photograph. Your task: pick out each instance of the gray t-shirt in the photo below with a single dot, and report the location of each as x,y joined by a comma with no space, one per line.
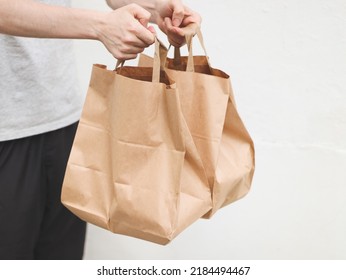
38,85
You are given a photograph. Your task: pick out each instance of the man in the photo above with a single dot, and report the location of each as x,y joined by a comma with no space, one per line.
40,107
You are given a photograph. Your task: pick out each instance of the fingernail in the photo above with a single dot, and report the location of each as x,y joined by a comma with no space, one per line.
152,29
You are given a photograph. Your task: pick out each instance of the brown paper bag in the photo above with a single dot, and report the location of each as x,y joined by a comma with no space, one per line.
133,168
209,108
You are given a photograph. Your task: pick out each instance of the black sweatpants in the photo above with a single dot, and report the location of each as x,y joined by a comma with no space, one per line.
33,222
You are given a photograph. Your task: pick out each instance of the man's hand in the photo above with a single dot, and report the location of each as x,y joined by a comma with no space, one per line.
171,16
124,31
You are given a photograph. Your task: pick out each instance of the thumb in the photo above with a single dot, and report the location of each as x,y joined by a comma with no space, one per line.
178,13
142,15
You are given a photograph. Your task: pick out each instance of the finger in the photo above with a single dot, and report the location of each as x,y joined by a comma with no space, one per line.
121,55
125,56
141,31
178,13
127,52
131,50
138,35
175,37
145,35
194,18
143,21
173,29
142,15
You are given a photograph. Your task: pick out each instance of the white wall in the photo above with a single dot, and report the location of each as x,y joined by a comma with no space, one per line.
287,60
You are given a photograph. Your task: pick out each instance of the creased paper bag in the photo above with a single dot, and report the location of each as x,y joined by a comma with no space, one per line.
134,168
219,134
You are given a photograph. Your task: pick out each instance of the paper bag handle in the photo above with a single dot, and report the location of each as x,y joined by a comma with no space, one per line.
190,31
160,56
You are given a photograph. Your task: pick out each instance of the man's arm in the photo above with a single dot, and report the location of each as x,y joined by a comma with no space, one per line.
35,19
122,31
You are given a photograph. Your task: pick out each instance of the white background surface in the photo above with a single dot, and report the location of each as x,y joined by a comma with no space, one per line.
287,61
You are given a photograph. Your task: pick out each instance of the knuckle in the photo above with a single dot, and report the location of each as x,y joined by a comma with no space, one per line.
119,55
126,49
128,39
132,27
